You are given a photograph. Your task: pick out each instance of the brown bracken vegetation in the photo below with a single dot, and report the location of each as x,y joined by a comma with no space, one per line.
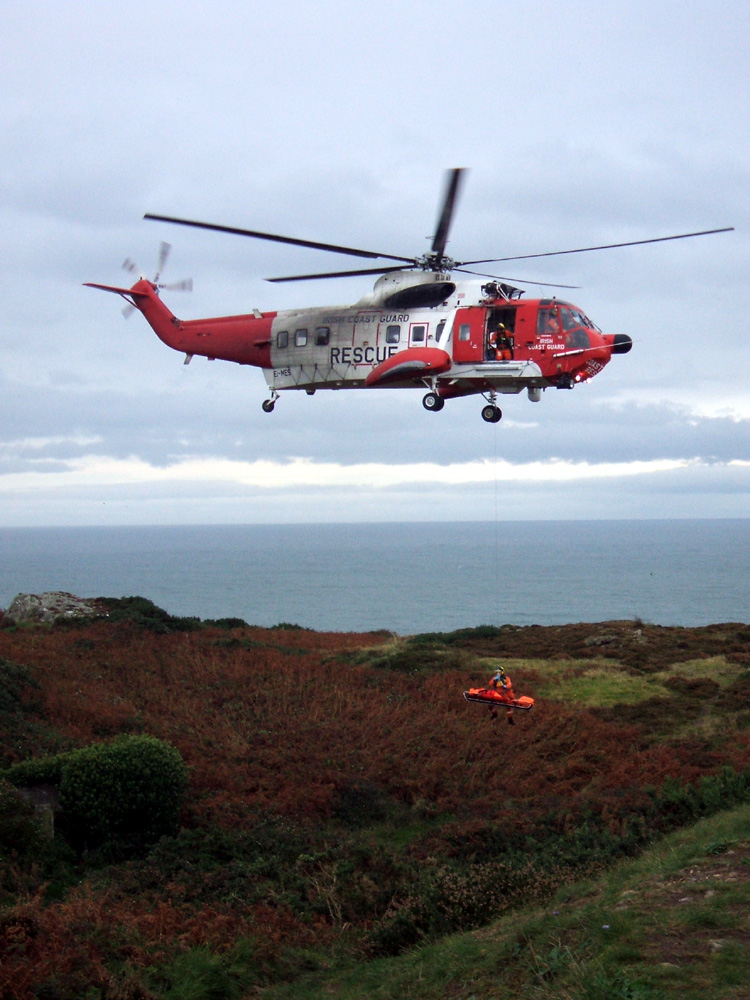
344,800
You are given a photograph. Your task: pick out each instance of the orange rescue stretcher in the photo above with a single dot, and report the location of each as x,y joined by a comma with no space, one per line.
489,696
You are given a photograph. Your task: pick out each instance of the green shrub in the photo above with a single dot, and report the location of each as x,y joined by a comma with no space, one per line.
202,974
226,623
127,793
413,658
459,636
144,613
38,771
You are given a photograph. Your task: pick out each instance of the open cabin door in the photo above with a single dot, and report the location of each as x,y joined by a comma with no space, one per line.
468,334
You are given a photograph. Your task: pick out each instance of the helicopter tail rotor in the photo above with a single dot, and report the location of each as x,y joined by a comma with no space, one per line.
186,285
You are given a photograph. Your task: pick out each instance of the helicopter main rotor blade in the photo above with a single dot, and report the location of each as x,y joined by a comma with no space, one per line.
520,281
608,246
313,244
344,274
452,187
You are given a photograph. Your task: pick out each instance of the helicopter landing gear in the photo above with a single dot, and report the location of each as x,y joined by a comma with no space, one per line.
433,402
268,404
491,412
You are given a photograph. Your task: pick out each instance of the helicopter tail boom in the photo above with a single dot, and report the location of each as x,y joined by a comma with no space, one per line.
243,339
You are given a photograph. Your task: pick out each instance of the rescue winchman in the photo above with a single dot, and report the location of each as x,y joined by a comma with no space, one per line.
504,344
501,683
500,345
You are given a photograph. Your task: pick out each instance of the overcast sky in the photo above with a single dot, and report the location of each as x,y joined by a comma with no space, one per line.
582,123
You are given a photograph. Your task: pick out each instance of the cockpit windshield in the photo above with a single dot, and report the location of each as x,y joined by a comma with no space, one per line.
574,319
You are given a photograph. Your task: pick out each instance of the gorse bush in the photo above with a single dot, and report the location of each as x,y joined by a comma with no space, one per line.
128,792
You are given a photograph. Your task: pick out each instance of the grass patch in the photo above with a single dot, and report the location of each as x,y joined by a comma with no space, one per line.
717,668
600,687
408,657
600,684
605,684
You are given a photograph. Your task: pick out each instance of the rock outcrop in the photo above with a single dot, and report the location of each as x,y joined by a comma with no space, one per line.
49,607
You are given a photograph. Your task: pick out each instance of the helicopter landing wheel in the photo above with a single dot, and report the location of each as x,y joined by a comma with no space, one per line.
433,402
268,405
491,413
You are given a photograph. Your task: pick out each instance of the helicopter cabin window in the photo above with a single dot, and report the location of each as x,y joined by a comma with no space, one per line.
300,337
322,335
393,334
464,331
282,338
439,331
418,334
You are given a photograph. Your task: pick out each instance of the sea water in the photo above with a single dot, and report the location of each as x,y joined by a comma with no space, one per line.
405,578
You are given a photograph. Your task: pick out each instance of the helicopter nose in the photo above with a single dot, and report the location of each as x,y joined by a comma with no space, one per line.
621,343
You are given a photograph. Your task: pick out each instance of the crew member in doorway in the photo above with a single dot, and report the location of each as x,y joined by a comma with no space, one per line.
504,347
501,346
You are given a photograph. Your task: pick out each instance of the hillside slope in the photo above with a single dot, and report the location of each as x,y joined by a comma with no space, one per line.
345,803
675,923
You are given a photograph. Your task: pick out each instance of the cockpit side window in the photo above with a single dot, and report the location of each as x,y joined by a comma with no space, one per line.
547,322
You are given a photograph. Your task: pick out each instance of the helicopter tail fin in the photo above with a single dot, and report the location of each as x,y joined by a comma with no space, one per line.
144,297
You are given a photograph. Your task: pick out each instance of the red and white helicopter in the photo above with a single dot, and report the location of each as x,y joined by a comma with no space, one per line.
419,327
